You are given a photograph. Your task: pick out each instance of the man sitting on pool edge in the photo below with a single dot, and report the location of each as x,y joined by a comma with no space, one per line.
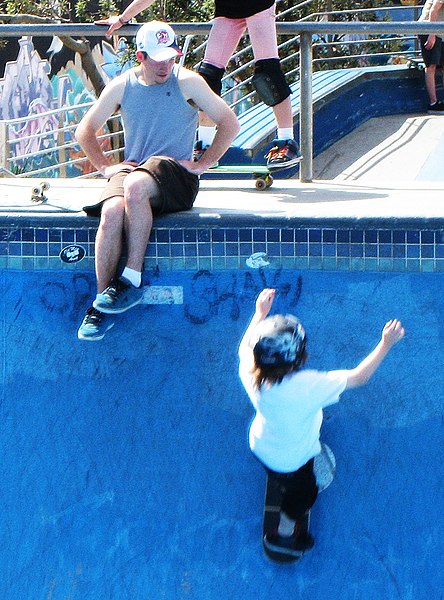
159,103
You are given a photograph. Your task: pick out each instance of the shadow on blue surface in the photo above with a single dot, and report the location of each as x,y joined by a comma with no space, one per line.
125,467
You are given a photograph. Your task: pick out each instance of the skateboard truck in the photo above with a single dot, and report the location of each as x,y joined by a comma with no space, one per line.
38,192
262,174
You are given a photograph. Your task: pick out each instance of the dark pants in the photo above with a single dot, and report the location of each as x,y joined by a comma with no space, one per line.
299,490
435,56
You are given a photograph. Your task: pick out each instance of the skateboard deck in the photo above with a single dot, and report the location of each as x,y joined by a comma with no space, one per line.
263,175
324,470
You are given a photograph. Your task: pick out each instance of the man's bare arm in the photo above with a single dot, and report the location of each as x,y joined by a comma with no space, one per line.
115,22
86,132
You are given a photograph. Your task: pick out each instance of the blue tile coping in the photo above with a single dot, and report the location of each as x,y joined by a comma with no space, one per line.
189,241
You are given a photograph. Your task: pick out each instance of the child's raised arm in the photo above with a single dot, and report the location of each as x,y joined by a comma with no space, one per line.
392,333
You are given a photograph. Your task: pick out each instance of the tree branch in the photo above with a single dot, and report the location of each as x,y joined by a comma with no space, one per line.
81,47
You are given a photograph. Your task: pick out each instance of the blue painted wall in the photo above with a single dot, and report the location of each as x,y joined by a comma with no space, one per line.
125,471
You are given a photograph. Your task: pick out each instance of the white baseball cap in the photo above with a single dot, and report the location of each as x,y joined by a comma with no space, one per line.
158,40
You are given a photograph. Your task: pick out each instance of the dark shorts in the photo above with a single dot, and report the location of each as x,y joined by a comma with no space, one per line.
435,56
177,187
299,488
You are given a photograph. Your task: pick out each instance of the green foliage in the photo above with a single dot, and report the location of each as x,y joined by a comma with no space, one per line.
179,11
172,11
327,6
45,8
339,50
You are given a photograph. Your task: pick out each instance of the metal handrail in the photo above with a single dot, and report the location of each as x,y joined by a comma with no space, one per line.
293,28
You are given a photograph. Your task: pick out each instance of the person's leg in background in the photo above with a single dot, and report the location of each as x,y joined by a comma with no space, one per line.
268,80
272,87
433,59
222,42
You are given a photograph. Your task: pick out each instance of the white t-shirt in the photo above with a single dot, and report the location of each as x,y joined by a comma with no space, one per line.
284,434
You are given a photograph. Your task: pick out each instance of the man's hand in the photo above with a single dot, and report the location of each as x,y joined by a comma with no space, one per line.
114,23
430,42
193,166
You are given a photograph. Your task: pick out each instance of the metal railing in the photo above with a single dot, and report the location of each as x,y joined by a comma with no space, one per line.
303,38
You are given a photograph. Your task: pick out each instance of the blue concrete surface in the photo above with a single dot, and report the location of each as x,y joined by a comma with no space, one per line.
125,469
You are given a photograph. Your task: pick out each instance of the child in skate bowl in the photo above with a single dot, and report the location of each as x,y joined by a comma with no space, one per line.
288,400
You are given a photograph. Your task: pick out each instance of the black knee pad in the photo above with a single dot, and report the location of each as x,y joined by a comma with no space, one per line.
212,75
269,81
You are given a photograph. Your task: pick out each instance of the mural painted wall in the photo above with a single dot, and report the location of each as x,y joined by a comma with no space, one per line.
28,90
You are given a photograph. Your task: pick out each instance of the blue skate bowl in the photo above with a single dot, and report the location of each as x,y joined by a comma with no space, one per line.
125,468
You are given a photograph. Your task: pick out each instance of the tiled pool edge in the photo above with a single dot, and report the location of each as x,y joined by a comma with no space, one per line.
196,241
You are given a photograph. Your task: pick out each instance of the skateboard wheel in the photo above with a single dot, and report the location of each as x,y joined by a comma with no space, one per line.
38,190
261,184
269,181
324,467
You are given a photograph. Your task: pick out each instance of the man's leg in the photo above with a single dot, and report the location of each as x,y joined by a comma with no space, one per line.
262,32
109,238
108,249
222,42
430,83
140,190
272,87
284,116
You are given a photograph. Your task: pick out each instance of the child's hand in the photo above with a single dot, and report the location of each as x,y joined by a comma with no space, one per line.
393,332
264,302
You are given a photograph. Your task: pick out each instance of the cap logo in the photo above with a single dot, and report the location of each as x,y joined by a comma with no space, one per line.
162,37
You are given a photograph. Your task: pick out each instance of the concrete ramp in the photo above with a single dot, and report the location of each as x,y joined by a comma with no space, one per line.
400,148
125,469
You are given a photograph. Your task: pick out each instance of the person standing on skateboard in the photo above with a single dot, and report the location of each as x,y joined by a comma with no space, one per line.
288,400
159,102
232,19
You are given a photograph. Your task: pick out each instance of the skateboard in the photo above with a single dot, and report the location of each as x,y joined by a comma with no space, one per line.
324,470
415,63
262,174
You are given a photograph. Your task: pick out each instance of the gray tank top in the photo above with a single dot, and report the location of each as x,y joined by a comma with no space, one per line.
157,120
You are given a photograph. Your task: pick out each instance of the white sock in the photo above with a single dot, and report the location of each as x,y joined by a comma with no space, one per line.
206,135
285,133
134,277
286,526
